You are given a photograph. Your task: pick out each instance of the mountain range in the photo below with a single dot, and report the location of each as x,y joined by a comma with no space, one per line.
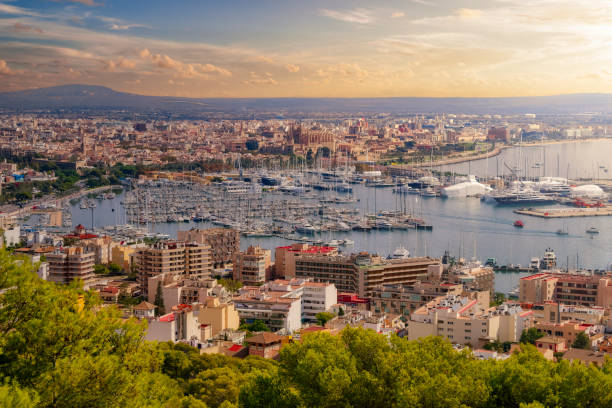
91,98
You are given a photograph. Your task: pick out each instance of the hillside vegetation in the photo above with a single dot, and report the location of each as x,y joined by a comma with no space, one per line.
60,348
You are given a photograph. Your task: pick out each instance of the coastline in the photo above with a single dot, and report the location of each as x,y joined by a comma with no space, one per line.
498,149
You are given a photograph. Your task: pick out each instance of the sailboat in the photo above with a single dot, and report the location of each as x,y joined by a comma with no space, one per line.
563,231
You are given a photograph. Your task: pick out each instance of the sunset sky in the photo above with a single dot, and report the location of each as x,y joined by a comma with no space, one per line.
331,48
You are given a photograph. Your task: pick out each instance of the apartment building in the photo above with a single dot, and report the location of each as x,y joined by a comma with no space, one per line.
181,259
316,298
465,320
224,243
284,304
361,273
571,289
472,275
403,299
569,330
285,256
253,266
279,310
71,263
554,312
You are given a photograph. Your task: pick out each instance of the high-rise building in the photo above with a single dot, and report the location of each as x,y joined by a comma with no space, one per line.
571,289
252,267
284,257
71,263
361,273
224,243
182,259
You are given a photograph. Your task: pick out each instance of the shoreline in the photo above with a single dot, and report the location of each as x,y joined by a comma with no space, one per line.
497,151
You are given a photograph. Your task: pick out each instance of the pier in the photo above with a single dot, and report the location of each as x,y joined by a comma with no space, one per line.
566,212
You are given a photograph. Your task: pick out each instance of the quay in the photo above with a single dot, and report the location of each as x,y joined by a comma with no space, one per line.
565,212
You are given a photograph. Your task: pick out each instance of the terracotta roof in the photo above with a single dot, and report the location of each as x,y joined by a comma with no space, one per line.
586,356
265,338
145,306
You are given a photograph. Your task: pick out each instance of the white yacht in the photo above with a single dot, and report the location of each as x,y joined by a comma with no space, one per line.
400,253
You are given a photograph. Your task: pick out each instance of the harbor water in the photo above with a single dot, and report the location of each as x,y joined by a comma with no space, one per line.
464,227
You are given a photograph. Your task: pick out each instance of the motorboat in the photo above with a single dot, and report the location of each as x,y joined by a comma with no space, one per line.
400,253
518,224
592,230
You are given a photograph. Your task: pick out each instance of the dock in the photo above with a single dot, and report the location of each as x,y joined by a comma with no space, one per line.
566,212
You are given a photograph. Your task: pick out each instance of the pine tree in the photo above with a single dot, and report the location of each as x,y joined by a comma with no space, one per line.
159,300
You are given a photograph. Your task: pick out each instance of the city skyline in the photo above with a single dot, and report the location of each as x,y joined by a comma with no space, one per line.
320,49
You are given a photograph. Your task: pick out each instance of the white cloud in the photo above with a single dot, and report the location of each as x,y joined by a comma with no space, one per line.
292,68
4,68
358,16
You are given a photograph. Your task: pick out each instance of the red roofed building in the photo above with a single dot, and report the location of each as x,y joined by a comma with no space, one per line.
284,257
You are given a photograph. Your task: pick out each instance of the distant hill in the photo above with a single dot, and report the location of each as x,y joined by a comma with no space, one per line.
88,98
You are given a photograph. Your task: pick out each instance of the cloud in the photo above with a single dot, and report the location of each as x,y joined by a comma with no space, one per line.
261,81
121,62
398,14
9,9
468,13
423,2
292,68
4,68
185,70
257,79
24,28
121,27
84,2
358,16
263,58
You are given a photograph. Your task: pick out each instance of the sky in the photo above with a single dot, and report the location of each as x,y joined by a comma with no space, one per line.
310,48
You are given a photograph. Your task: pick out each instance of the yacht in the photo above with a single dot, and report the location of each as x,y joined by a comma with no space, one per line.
592,230
522,198
549,261
534,264
306,229
400,253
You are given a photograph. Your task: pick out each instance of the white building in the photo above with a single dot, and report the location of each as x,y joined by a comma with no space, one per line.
11,234
283,304
316,298
467,321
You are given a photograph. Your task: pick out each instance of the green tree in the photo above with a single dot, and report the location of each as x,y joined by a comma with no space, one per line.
230,284
530,335
324,317
267,391
159,300
582,341
114,269
256,326
100,269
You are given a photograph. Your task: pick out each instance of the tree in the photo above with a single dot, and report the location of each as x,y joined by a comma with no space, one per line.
100,269
267,391
340,311
159,300
256,326
114,269
530,335
324,317
230,284
498,299
582,341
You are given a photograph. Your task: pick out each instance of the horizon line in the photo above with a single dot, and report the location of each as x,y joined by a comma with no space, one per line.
309,97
